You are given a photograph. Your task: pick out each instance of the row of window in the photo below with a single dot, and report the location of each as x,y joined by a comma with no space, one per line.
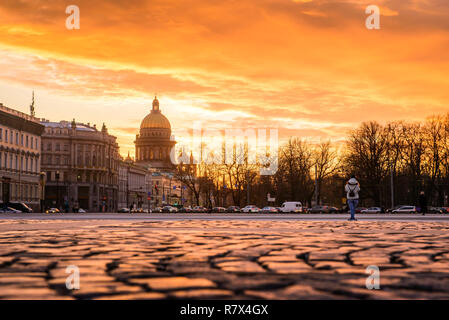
10,161
24,192
80,161
87,177
13,137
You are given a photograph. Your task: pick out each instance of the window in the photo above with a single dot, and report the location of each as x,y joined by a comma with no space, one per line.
32,142
12,136
48,146
6,135
17,138
0,159
26,141
58,147
1,134
37,145
21,139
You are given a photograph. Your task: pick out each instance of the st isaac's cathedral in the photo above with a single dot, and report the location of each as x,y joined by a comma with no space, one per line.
155,142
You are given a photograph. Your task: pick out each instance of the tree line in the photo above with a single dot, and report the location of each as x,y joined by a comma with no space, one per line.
393,163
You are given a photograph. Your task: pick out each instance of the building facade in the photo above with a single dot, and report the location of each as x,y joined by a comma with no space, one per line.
81,165
155,143
134,185
166,190
20,157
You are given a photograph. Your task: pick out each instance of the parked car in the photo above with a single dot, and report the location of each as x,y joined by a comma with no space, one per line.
405,209
200,209
320,209
359,209
20,206
169,209
372,210
81,210
269,210
157,210
52,210
9,210
292,206
251,209
218,209
187,209
123,210
390,210
233,209
334,210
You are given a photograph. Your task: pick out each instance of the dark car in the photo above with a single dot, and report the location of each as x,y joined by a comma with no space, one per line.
233,209
218,209
269,210
319,209
333,210
20,206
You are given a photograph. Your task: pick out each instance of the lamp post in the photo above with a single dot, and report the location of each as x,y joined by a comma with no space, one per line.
42,184
57,189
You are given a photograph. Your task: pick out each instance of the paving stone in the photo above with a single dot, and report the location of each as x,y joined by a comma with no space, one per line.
133,296
202,259
202,294
240,267
173,283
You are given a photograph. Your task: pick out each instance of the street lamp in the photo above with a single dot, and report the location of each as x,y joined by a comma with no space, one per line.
42,184
57,188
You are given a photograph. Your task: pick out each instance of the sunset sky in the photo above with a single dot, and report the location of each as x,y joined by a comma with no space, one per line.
307,67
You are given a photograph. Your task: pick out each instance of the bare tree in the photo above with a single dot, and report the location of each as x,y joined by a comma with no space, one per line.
325,159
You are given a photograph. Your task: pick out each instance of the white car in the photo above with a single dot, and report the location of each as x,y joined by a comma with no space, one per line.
292,207
80,210
372,210
405,209
251,209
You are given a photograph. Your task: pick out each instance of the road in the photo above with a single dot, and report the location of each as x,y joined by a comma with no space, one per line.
208,256
223,216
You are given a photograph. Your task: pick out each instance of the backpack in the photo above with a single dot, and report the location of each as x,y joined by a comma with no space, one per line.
351,193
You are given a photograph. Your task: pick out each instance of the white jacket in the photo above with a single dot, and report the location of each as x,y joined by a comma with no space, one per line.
352,185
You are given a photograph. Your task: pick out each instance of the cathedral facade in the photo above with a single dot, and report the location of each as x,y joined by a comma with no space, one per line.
154,143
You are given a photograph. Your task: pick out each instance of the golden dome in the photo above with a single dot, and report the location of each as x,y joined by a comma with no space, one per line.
155,119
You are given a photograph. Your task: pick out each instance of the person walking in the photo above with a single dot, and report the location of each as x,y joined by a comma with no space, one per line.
422,203
352,189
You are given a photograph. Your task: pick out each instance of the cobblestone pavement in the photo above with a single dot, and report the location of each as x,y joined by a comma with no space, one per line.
226,259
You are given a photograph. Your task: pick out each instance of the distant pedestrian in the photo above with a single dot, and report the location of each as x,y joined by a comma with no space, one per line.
352,189
422,203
